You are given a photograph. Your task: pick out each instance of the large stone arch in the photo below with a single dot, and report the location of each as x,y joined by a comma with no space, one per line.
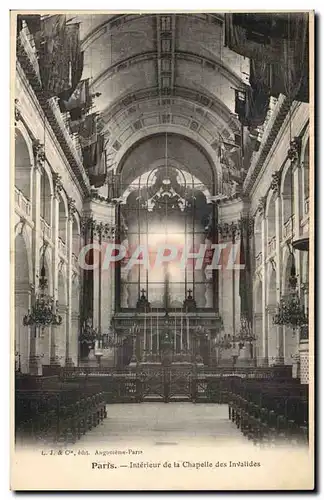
22,301
210,157
23,162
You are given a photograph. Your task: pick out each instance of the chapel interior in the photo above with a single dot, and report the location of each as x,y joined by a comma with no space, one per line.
136,132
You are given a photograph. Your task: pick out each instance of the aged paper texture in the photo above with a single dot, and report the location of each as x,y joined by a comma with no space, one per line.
162,244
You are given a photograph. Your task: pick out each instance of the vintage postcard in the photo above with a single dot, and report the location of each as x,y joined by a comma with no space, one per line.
162,250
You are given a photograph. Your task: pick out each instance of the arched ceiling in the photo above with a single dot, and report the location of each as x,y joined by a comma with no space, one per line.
169,150
159,72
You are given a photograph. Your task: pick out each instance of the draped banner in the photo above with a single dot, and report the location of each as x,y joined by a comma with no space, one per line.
59,52
277,45
79,102
54,67
87,129
252,105
244,35
98,173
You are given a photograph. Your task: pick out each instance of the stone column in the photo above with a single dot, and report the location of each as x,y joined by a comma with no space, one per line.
69,335
278,266
264,350
97,234
74,340
107,280
55,330
272,336
35,361
258,325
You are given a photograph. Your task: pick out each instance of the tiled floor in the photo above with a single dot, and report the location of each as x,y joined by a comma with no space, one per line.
160,423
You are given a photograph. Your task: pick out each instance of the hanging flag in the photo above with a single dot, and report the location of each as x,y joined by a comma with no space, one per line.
278,45
87,130
241,106
98,174
75,54
54,65
79,102
251,38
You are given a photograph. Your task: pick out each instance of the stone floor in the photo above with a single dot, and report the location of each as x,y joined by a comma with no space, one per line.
160,423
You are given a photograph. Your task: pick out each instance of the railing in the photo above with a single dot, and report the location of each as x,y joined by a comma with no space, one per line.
22,202
306,206
46,228
258,259
70,138
261,129
272,245
288,227
28,44
61,246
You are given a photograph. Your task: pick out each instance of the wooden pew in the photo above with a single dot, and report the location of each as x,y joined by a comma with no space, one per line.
58,412
270,411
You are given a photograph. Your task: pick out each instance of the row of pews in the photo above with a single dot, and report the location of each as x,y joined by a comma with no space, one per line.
51,411
269,412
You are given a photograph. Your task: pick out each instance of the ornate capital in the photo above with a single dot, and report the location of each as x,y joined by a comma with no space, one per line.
104,230
275,183
294,150
58,185
71,207
262,205
87,223
39,153
228,230
17,111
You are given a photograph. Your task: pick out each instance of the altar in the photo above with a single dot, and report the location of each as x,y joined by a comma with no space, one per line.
165,338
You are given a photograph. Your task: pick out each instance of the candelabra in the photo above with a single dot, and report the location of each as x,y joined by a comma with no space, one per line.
290,311
43,311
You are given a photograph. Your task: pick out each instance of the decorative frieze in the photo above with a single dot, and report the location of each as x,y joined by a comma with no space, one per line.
104,230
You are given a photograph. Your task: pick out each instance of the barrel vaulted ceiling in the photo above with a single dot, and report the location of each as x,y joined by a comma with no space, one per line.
162,73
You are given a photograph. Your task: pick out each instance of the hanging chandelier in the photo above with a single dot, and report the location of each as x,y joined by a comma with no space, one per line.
290,311
43,312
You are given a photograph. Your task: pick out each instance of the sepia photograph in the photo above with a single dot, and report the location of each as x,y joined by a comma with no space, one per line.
162,250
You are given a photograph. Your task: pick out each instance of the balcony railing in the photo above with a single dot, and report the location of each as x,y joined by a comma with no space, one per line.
306,206
258,259
46,228
272,245
61,246
262,128
288,227
22,203
71,139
